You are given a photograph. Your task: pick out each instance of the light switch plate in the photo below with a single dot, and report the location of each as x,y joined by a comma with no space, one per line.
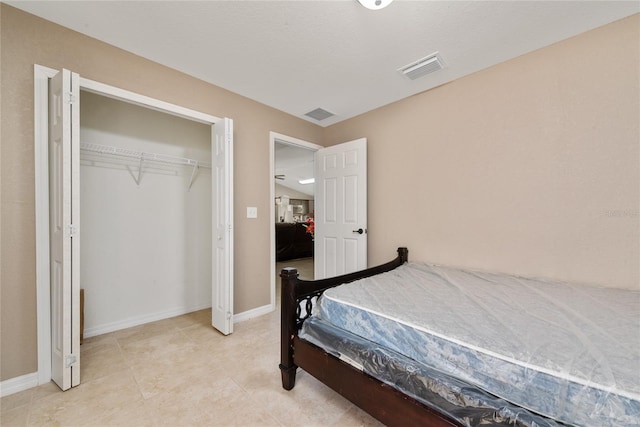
252,212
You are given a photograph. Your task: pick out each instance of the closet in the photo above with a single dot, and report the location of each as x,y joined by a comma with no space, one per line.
145,192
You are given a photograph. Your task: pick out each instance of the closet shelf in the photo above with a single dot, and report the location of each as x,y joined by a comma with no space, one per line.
142,155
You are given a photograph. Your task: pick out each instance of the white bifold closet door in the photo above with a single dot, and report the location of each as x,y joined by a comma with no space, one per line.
222,213
64,206
64,215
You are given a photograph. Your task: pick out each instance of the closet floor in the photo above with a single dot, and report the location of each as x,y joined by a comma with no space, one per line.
181,372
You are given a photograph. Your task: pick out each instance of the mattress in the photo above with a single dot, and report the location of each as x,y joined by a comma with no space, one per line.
567,352
460,401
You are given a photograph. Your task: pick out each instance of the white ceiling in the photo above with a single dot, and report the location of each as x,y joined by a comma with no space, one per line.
299,55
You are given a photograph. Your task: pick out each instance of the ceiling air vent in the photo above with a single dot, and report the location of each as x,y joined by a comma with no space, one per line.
319,114
422,67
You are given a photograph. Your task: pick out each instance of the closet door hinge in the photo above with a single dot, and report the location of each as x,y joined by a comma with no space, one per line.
71,98
70,360
72,230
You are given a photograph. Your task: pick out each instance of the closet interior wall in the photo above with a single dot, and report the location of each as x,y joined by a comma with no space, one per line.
145,226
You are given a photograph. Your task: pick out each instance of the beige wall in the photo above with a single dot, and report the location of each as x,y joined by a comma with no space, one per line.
27,40
529,167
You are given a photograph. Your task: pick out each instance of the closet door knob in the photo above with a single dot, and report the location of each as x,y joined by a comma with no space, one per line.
359,231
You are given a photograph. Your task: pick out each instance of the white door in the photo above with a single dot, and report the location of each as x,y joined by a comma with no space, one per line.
341,209
64,170
222,199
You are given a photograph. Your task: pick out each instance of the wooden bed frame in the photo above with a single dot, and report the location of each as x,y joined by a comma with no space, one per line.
383,402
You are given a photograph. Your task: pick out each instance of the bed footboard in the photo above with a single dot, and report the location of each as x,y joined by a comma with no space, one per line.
298,298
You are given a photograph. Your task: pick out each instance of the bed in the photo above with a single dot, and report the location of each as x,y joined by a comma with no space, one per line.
420,344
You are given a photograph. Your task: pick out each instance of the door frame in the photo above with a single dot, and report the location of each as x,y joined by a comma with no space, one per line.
42,75
273,138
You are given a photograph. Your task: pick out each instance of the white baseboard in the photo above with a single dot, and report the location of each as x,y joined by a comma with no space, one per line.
250,314
140,320
17,384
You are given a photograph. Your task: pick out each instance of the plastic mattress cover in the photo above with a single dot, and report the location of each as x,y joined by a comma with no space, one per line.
463,402
569,352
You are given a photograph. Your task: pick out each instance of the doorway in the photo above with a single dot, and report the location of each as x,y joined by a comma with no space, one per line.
146,225
293,203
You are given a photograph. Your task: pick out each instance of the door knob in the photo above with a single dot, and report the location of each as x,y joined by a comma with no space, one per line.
359,231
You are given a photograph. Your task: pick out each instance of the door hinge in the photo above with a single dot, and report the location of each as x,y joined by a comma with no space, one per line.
228,315
72,229
70,360
72,98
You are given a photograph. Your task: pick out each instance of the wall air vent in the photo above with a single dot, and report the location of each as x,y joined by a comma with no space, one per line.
319,114
422,67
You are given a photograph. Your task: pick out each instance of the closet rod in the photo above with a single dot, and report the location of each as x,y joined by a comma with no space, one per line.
141,155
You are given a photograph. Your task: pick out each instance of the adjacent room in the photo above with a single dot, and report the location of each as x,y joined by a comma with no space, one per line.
354,212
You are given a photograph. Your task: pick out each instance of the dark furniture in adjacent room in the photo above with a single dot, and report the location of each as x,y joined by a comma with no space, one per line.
292,241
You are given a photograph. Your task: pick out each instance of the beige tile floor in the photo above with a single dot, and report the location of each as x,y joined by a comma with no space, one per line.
181,372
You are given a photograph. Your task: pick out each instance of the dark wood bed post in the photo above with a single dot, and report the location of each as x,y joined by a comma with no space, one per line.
288,328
